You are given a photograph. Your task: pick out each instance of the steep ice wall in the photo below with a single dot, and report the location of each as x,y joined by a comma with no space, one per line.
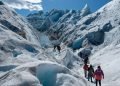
16,23
17,38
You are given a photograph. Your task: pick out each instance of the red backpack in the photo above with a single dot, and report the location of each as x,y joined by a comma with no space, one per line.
85,67
99,72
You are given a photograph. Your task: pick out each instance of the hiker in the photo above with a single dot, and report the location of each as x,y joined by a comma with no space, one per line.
98,75
54,47
58,48
90,72
56,44
86,59
85,67
84,54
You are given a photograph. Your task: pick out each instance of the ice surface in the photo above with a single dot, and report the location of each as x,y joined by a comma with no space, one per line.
26,63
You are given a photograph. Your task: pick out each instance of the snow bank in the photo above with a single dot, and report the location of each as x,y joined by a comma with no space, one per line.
22,78
68,80
70,59
107,55
40,73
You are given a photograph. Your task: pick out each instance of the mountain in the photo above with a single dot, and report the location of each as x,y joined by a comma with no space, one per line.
98,32
27,57
44,21
61,21
23,59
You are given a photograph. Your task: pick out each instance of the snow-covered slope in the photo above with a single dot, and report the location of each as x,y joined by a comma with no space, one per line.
21,52
98,24
20,57
98,31
102,33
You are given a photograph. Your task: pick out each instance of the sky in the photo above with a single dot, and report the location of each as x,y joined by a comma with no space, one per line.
25,7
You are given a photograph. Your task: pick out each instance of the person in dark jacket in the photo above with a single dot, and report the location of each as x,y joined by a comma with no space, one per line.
98,75
90,72
86,60
58,48
56,44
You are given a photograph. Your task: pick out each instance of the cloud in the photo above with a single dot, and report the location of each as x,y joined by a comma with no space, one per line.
25,4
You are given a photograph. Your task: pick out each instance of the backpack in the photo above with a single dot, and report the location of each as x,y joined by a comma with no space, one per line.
98,72
58,47
90,70
85,67
86,60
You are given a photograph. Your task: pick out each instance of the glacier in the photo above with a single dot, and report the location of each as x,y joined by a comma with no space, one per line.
26,51
24,58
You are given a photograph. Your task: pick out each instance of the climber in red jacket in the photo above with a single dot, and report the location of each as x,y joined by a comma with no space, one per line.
85,67
98,75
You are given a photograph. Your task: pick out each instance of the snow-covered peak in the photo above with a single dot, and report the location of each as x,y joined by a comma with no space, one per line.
43,21
85,11
92,27
57,17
